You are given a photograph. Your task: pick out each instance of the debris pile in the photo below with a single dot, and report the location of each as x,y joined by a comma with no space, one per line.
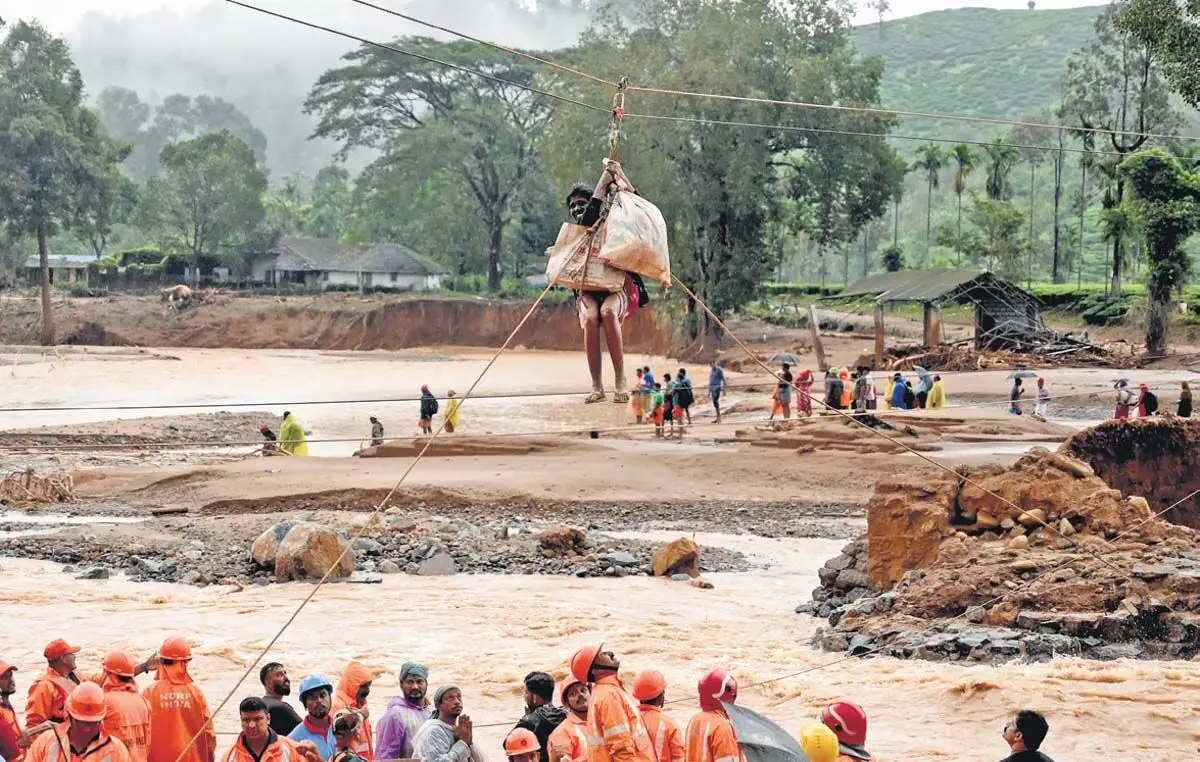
30,488
965,357
1060,563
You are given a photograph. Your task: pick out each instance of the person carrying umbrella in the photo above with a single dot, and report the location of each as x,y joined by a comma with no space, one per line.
710,736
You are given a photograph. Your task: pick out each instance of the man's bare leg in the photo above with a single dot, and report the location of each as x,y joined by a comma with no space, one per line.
590,317
610,316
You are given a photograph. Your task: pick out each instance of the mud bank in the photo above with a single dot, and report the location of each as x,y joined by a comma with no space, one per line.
1157,458
329,322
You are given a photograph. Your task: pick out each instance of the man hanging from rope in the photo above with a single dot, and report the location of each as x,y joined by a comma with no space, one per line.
600,309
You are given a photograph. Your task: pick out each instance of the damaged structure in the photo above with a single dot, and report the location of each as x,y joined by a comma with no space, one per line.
1006,316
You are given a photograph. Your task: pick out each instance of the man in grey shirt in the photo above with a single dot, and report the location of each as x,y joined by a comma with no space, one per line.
447,736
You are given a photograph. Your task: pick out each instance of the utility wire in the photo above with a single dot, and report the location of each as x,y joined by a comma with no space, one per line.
382,46
496,46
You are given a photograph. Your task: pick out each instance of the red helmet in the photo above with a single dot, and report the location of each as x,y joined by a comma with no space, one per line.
848,721
581,662
715,687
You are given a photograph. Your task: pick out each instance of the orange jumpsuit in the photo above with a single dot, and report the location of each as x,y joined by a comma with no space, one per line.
356,676
48,698
10,733
178,712
279,749
614,727
569,739
710,738
665,736
53,746
128,718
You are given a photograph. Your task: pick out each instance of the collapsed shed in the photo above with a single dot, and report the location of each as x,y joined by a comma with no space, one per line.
1006,316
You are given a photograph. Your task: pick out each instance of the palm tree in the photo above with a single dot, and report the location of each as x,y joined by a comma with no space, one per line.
1001,160
964,160
930,160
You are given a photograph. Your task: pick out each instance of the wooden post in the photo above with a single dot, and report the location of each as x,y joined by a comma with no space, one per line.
879,334
814,325
927,334
937,326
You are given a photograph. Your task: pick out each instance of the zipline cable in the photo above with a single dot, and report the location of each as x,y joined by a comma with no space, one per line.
429,59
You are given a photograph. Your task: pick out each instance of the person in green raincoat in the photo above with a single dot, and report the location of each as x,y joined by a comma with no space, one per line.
291,436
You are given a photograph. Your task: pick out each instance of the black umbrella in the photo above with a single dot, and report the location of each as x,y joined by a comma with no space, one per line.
761,739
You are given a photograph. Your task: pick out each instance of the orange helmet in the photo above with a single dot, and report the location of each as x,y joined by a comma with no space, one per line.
648,685
175,648
581,662
119,664
521,741
86,703
715,687
848,721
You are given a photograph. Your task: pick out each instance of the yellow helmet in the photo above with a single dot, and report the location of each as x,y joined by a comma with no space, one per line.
819,742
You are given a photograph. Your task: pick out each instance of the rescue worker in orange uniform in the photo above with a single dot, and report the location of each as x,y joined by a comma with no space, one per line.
47,700
259,743
650,688
614,727
352,692
521,745
569,739
178,710
710,736
81,738
128,716
10,724
848,722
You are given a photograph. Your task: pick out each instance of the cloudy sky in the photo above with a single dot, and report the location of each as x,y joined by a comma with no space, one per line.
61,16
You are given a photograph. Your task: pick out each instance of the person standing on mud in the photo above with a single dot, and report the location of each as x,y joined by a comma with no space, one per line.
650,689
452,419
274,678
82,733
376,432
716,386
684,397
615,731
1041,403
1124,399
1184,409
1024,734
47,701
405,714
128,712
429,408
1014,397
783,388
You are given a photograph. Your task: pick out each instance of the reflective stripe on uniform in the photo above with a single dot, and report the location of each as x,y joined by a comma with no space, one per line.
660,741
616,730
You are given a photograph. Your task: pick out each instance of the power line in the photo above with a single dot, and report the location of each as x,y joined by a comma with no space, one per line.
495,45
877,110
382,46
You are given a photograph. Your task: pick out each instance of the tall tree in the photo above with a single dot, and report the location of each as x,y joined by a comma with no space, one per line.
964,163
425,118
208,199
1167,203
1114,85
1171,30
930,160
1001,159
56,160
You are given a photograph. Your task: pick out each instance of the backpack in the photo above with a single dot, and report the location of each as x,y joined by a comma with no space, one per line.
1151,402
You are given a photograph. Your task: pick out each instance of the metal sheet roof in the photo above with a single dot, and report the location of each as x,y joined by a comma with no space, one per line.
912,285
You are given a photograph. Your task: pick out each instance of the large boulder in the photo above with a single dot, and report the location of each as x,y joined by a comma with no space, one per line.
906,523
311,550
563,541
680,557
265,548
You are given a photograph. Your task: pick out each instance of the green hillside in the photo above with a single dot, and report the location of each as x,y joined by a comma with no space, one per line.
975,61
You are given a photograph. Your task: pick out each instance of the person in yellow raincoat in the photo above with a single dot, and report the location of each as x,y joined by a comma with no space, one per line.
937,394
291,435
453,419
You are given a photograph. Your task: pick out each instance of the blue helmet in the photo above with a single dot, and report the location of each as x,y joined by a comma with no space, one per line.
312,683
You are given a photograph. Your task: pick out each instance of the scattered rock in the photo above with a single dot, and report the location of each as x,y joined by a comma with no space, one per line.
190,577
1032,518
439,565
681,578
265,548
701,583
389,567
310,551
620,558
563,541
679,557
367,546
96,572
1019,543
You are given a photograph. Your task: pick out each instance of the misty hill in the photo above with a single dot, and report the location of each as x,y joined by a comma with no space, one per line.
975,61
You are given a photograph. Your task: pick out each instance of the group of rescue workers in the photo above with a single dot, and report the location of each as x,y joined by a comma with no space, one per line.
71,717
